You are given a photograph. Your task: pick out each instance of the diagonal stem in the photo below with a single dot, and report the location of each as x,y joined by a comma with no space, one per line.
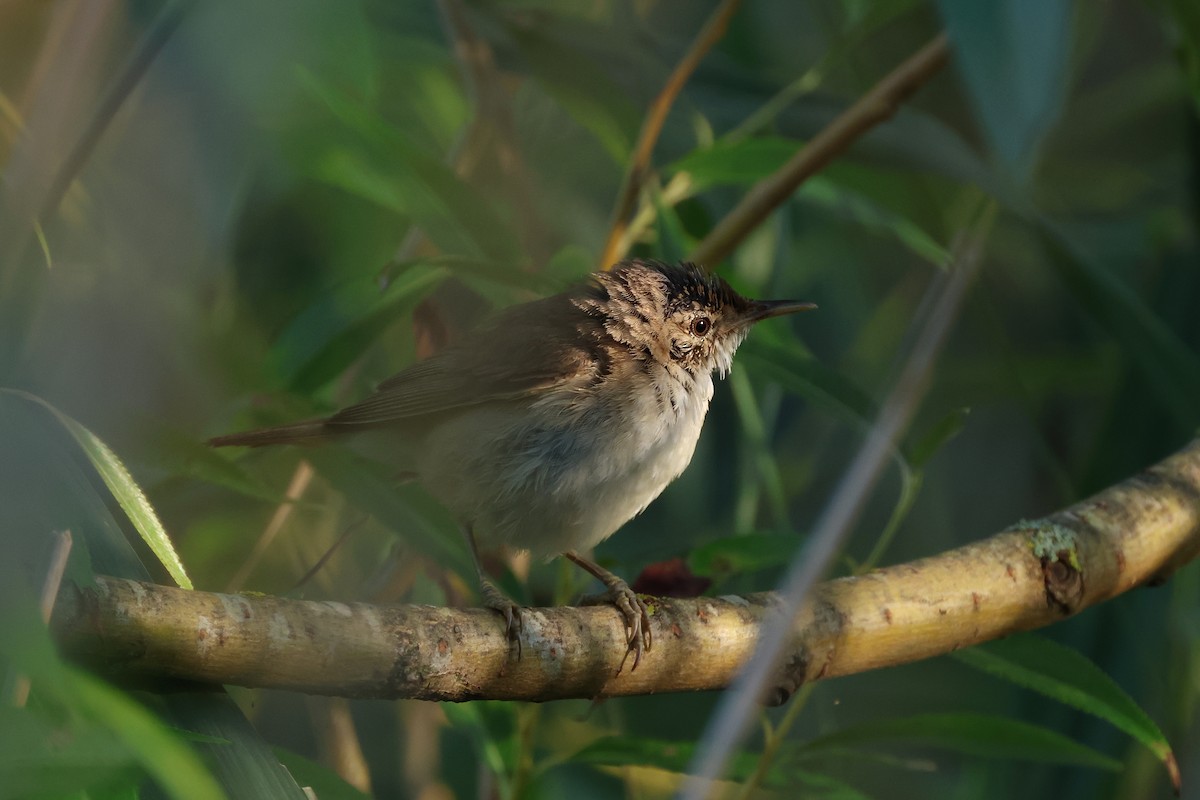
656,117
874,107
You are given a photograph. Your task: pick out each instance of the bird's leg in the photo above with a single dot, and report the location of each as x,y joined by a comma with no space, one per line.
493,598
637,616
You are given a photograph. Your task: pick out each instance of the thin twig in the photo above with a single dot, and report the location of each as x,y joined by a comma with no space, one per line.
874,107
301,478
328,554
737,707
639,164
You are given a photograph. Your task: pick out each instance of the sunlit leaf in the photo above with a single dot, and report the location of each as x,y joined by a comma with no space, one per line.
123,487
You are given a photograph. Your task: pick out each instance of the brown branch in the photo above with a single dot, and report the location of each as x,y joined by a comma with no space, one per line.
1029,576
876,106
656,117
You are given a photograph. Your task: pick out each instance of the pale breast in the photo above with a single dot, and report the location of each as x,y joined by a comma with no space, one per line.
550,479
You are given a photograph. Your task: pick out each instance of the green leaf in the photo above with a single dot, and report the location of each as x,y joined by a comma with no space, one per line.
738,554
969,734
334,331
1014,58
787,364
936,437
622,751
40,756
1065,675
382,165
242,761
1186,17
325,783
739,163
673,241
590,97
175,767
123,487
874,217
1172,368
404,507
186,456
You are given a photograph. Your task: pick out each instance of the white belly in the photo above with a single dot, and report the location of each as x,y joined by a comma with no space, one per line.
568,481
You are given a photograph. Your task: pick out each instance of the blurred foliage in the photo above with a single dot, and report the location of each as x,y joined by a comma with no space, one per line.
297,199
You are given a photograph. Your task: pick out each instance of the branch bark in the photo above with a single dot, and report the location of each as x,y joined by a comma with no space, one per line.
1031,575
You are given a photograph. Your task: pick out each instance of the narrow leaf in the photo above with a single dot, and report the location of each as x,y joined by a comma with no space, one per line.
173,765
984,735
123,487
1065,675
1014,56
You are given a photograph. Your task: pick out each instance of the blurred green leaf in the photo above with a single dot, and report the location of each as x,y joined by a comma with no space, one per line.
325,783
872,217
796,371
176,768
1014,58
936,437
420,521
748,161
330,334
673,242
186,455
969,734
123,487
1172,367
473,719
42,757
1186,17
383,166
623,751
747,553
742,162
1065,675
582,88
241,760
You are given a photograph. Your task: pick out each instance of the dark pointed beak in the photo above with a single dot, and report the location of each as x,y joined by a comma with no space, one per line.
765,309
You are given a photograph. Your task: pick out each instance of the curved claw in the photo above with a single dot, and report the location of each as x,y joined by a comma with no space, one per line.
496,600
638,638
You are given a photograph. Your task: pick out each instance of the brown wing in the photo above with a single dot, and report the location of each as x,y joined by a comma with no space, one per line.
523,351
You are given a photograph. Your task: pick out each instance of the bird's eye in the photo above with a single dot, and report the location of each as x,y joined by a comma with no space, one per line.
701,326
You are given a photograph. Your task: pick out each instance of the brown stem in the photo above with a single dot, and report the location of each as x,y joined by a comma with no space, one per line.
1029,576
656,117
876,106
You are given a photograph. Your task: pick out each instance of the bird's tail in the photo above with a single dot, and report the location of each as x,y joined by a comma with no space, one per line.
311,432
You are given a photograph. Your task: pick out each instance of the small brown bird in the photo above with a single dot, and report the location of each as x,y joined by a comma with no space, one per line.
557,421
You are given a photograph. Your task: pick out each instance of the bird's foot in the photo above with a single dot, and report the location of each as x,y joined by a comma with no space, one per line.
637,618
498,601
